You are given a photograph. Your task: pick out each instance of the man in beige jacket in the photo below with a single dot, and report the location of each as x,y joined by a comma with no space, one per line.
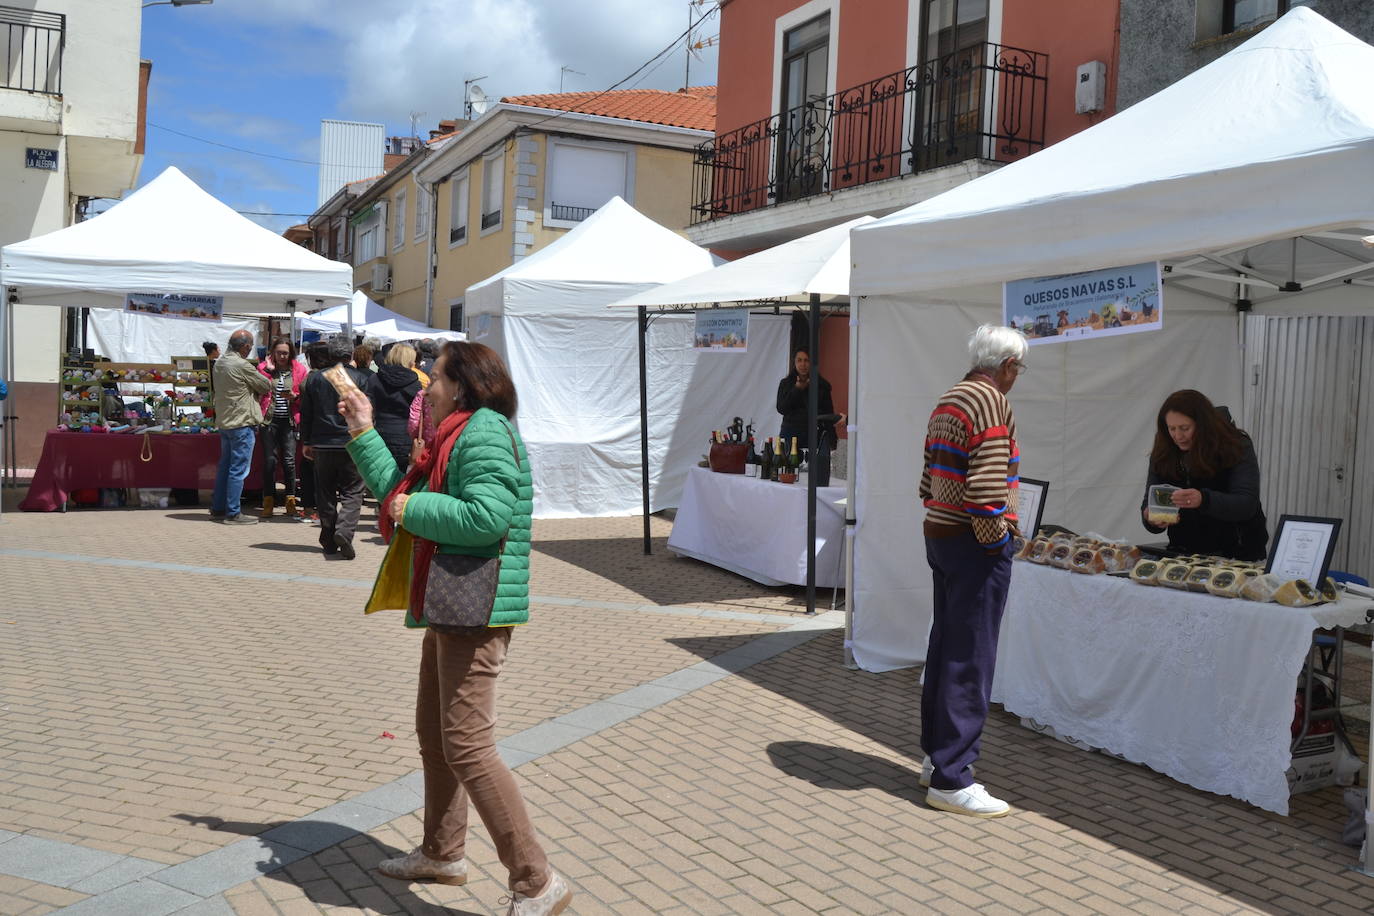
238,413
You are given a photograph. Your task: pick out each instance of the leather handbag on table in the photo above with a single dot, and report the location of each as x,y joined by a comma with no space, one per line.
728,457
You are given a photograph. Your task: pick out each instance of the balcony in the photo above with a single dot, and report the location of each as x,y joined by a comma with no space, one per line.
986,102
34,42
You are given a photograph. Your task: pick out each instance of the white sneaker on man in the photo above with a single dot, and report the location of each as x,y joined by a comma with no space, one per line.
972,800
928,770
416,866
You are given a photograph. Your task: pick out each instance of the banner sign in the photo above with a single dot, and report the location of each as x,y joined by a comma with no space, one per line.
722,329
1096,303
176,305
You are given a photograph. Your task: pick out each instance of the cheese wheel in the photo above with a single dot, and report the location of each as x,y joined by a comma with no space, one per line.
1296,593
1038,550
1198,577
1086,560
1145,571
1019,547
1060,555
1225,583
1175,575
1261,587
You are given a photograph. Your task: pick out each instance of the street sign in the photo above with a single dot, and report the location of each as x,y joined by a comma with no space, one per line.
40,159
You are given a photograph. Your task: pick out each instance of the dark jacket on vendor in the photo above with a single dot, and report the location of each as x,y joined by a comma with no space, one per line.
321,424
1230,522
792,401
391,390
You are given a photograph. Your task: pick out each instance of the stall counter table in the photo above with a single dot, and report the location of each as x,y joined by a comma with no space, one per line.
1197,687
73,461
757,528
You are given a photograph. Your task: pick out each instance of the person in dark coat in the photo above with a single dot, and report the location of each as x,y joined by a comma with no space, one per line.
793,392
1198,449
339,488
392,390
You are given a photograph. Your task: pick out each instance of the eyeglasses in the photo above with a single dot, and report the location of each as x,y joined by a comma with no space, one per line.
1020,366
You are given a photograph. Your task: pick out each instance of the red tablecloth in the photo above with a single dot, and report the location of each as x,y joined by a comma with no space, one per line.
72,461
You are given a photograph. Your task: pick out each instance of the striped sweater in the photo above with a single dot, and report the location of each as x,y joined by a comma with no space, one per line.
971,461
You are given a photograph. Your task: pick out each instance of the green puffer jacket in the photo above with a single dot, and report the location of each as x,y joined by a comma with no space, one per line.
488,496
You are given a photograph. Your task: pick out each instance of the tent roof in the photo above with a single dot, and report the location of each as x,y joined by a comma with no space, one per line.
816,263
371,319
617,246
170,236
1274,140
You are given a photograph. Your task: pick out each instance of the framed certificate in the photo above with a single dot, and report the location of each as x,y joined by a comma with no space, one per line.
1303,547
1030,504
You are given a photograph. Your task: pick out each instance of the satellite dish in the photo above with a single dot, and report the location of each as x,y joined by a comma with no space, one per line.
477,101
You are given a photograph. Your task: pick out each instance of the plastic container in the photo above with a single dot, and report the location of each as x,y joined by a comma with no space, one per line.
1160,508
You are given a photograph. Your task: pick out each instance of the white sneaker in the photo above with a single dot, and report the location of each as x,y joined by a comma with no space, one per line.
972,800
928,770
554,899
417,866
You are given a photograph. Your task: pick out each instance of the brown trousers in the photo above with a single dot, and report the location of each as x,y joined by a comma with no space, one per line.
455,720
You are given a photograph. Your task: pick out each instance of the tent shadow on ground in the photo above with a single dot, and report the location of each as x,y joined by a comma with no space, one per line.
1129,807
664,578
286,864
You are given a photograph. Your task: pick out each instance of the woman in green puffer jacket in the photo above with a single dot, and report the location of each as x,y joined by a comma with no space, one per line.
469,493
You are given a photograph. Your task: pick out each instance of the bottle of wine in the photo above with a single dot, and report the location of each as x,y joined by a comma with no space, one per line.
766,466
794,459
779,457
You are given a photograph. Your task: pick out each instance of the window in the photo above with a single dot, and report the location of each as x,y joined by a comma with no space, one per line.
1222,17
339,237
422,203
458,210
493,190
367,242
455,315
583,176
398,236
804,109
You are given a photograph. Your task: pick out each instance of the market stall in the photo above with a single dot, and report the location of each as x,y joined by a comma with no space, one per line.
574,365
173,251
1241,179
812,269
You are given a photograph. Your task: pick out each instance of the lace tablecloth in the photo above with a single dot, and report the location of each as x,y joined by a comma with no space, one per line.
1197,687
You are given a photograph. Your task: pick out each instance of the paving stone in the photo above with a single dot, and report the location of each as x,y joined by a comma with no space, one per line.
146,897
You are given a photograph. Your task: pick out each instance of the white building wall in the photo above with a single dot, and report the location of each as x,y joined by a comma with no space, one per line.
349,151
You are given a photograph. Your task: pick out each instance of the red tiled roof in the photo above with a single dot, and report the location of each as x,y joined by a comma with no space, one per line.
693,108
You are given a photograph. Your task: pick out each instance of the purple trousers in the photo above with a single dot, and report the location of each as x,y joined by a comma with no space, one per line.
970,594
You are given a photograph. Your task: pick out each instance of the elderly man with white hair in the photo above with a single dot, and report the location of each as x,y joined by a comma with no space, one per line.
969,490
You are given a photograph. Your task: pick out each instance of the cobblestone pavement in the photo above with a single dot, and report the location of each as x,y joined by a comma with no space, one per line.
196,718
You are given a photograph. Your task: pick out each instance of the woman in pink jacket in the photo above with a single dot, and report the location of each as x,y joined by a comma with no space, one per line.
281,415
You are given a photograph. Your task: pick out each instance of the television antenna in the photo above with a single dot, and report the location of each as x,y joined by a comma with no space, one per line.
563,71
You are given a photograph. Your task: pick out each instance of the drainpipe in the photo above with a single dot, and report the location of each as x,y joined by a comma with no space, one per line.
430,249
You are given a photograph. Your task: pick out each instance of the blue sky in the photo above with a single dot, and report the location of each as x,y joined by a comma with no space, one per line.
260,74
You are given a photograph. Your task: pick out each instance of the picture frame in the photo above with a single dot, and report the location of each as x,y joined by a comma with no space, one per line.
1303,547
1030,503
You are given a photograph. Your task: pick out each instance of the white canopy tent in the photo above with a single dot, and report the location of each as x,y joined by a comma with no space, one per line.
371,319
809,269
1249,179
574,363
171,237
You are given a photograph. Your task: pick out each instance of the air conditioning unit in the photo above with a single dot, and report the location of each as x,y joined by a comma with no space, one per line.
381,278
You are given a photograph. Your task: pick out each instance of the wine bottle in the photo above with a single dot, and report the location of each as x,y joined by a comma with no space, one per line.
766,466
779,457
794,459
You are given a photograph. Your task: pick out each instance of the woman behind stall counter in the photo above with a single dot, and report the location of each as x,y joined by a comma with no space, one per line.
1213,463
793,392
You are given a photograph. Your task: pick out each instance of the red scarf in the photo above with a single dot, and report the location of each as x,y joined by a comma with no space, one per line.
432,464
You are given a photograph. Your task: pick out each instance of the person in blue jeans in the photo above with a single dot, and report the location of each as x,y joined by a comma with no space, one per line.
238,385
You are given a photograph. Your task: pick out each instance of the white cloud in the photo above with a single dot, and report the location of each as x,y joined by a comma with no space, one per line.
397,57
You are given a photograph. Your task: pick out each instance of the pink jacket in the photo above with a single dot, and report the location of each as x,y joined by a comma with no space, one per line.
298,374
421,424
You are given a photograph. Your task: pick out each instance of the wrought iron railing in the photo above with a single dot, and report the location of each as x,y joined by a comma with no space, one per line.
33,45
984,102
491,219
571,214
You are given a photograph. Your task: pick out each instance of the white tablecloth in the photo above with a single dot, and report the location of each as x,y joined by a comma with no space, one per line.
757,528
1197,687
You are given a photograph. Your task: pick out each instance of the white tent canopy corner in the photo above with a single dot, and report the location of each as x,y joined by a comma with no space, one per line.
170,236
575,365
1247,178
371,319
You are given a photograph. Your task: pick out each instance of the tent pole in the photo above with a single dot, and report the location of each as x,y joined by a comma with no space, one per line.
644,421
850,518
813,404
6,471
